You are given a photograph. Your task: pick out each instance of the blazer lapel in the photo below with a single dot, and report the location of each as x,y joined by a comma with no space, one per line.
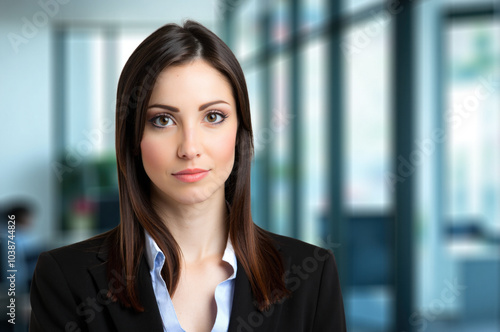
127,319
245,317
242,300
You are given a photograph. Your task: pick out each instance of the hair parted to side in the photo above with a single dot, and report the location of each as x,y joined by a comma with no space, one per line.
173,45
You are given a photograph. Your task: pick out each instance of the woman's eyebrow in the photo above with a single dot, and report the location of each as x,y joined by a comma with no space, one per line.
166,107
202,107
175,109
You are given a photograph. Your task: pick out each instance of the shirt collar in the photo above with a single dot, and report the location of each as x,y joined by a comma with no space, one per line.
230,257
153,252
156,258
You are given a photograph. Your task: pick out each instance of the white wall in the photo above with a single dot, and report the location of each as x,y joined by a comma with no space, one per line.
26,83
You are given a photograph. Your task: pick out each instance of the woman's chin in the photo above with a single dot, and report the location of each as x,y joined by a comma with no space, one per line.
191,200
192,197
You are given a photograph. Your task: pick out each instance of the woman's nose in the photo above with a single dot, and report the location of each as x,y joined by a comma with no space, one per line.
189,145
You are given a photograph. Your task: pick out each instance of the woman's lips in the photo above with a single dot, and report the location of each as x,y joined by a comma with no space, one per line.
191,175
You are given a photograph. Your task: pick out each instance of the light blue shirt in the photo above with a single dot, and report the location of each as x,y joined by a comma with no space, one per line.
223,292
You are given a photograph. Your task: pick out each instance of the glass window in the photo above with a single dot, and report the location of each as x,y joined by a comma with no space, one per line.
367,50
314,146
352,6
94,60
473,124
280,22
128,41
312,14
367,117
254,78
247,29
83,92
277,133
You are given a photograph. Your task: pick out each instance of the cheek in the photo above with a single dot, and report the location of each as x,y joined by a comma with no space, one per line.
225,150
151,157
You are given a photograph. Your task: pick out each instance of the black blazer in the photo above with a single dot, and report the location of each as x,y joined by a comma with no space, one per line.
70,293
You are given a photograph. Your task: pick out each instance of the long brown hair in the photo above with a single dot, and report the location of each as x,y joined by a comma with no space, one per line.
168,46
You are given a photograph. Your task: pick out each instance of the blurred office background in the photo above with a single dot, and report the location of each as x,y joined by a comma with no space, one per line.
377,135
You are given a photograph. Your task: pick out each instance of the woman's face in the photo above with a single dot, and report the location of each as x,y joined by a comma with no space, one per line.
188,145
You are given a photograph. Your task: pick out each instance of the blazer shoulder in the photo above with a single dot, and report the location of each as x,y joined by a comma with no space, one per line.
315,303
297,249
82,254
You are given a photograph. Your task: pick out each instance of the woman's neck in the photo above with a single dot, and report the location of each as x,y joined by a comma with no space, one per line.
199,229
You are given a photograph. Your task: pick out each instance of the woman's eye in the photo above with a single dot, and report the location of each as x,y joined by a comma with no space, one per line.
215,117
162,121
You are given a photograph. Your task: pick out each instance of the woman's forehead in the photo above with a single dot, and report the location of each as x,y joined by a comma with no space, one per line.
196,80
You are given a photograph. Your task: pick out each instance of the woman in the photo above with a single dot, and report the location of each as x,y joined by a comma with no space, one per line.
186,255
